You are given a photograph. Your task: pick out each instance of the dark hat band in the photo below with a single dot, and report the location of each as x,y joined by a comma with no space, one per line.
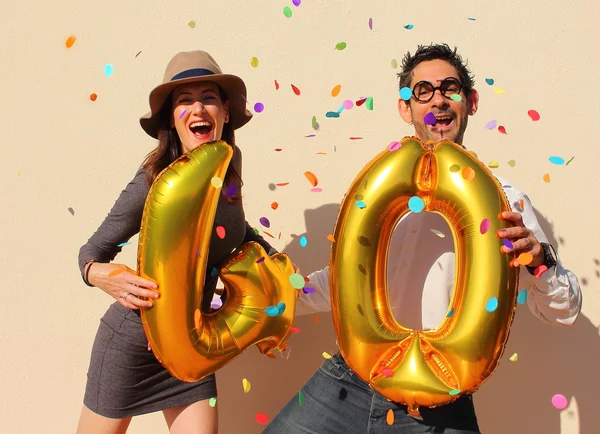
189,73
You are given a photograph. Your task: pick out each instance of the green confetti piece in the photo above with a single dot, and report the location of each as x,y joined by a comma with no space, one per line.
192,24
456,97
394,63
569,161
454,392
287,11
314,122
369,103
301,397
340,46
212,402
297,281
512,163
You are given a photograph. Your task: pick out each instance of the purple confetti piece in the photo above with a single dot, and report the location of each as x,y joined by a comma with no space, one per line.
308,290
311,135
259,107
430,119
507,243
265,222
231,190
371,23
491,125
198,252
296,2
182,114
260,260
216,304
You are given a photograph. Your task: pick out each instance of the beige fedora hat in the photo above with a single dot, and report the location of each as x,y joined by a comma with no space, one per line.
193,66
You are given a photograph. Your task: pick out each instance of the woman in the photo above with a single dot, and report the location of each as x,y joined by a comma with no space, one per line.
195,104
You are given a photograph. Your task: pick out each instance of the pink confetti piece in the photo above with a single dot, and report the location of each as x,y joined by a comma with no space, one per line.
534,115
371,23
501,129
559,401
221,232
485,226
348,104
491,125
387,372
316,190
265,222
394,146
430,119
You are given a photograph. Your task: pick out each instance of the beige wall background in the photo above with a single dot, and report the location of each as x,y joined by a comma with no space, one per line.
61,150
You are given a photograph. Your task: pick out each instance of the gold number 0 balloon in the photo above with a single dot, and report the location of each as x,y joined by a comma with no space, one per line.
422,368
177,225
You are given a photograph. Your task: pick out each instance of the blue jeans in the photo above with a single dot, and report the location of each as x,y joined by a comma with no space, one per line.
335,400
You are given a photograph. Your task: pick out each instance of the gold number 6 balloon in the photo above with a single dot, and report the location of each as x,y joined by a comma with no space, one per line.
415,367
175,235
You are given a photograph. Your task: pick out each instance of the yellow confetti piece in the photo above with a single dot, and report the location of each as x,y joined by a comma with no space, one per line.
216,182
499,91
438,233
246,385
336,90
394,63
454,168
493,165
514,357
192,24
254,62
326,355
547,177
512,163
390,417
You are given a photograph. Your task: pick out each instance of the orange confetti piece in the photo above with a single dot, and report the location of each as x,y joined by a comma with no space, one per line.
268,234
282,184
312,178
274,205
330,238
547,177
221,232
336,90
93,97
114,273
525,258
70,41
468,173
316,318
390,417
321,153
197,318
296,90
522,204
279,237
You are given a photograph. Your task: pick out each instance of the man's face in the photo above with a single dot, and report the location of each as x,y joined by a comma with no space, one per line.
451,115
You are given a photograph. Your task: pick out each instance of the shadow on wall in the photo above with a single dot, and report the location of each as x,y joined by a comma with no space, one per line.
516,399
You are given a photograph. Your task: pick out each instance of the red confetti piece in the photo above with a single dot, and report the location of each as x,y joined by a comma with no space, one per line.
360,102
278,149
355,138
262,418
93,97
540,270
534,115
294,330
282,184
221,232
296,90
501,129
276,85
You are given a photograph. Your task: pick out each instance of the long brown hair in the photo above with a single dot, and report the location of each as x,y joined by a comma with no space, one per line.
169,149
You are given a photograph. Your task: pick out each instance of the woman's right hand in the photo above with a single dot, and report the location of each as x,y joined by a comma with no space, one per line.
120,282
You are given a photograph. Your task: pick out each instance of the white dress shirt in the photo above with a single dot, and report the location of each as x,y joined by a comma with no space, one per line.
421,274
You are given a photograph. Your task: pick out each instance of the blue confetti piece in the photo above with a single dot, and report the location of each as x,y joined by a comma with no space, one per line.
214,272
332,115
491,125
409,26
108,70
361,204
471,19
272,311
522,297
123,244
231,190
489,81
557,160
405,93
303,241
416,204
341,109
507,243
280,308
450,313
492,304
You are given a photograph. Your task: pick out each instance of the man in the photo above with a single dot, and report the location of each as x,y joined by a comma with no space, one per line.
335,400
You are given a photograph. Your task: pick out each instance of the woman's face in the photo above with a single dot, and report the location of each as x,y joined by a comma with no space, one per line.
198,114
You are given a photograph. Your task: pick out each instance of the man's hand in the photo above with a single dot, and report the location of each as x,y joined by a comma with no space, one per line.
522,239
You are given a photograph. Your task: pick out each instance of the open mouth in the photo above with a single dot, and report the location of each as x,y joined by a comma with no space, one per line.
443,120
201,129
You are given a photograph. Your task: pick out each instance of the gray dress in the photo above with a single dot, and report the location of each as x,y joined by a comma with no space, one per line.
124,378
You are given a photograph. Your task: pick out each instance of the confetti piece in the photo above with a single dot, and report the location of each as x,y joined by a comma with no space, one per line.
340,46
212,402
489,81
197,318
348,104
361,204
534,115
522,297
491,125
307,290
525,258
231,190
316,318
280,308
282,184
493,164
484,226
276,85
254,62
389,418
246,385
297,281
394,146
262,418
547,177
454,392
214,272
522,205
514,357
360,102
303,241
512,163
507,243
499,91
116,272
71,210
272,311
330,238
430,119
93,97
278,149
409,26
259,107
183,113
356,138
387,372
468,173
371,23
316,190
454,168
296,90
108,70
540,270
260,260
456,97
336,90
559,401
405,93
265,222
326,355
123,244
569,161
216,182
138,53
300,397
557,160
274,205
192,24
450,313
70,41
501,129
269,234
312,178
315,125
438,233
287,11
492,304
369,104
294,330
341,109
394,63
221,232
216,304
296,2
416,204
471,19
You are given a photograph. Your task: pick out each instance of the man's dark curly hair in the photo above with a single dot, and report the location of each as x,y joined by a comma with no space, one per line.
432,52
